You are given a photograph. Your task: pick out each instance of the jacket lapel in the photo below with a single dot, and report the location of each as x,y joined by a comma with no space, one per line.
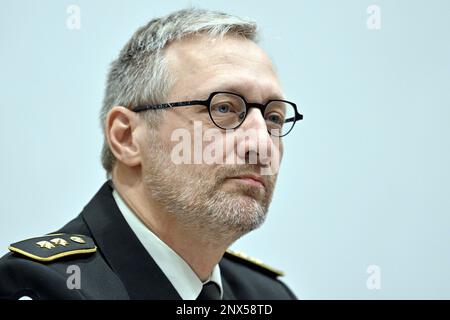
124,253
227,292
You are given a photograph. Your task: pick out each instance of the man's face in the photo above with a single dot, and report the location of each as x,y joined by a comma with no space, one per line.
229,196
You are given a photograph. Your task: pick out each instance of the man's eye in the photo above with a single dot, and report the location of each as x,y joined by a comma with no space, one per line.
223,108
275,118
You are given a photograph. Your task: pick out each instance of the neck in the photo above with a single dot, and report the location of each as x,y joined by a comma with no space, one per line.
191,244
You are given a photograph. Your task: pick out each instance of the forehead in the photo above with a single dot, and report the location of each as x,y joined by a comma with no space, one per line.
202,64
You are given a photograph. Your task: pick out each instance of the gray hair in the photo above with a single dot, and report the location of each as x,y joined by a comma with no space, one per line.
140,75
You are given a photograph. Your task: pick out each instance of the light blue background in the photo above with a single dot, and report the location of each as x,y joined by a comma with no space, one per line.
365,178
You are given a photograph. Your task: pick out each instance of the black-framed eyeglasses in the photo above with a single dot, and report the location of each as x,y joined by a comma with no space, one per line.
228,110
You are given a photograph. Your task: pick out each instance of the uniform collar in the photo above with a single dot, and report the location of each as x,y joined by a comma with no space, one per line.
179,273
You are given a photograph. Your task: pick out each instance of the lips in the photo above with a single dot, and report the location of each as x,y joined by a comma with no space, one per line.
251,179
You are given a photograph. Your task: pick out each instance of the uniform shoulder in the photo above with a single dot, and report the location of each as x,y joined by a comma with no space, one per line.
253,263
52,247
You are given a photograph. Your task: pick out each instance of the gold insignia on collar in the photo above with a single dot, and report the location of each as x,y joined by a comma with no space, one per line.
60,242
45,244
77,239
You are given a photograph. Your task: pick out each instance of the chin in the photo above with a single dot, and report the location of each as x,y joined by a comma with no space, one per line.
244,192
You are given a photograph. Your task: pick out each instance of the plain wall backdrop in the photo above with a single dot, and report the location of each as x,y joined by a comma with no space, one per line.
365,177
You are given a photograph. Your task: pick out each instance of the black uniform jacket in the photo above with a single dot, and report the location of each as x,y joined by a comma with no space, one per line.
100,248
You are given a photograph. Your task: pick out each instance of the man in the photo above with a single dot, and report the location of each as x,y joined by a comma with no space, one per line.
192,117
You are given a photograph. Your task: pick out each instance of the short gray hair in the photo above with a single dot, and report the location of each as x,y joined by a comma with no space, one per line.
140,76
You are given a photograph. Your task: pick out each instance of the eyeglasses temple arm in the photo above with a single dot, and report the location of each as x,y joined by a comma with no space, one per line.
168,105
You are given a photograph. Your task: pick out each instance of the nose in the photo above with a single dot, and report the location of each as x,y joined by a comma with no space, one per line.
255,119
254,143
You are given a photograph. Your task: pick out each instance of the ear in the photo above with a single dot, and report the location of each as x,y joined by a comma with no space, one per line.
121,134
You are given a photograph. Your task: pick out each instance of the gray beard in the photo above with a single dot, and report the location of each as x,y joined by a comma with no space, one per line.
214,216
194,198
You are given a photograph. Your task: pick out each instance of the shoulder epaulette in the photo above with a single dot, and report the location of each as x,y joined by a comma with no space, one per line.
54,246
253,263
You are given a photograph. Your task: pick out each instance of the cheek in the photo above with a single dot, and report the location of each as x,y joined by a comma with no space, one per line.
214,144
